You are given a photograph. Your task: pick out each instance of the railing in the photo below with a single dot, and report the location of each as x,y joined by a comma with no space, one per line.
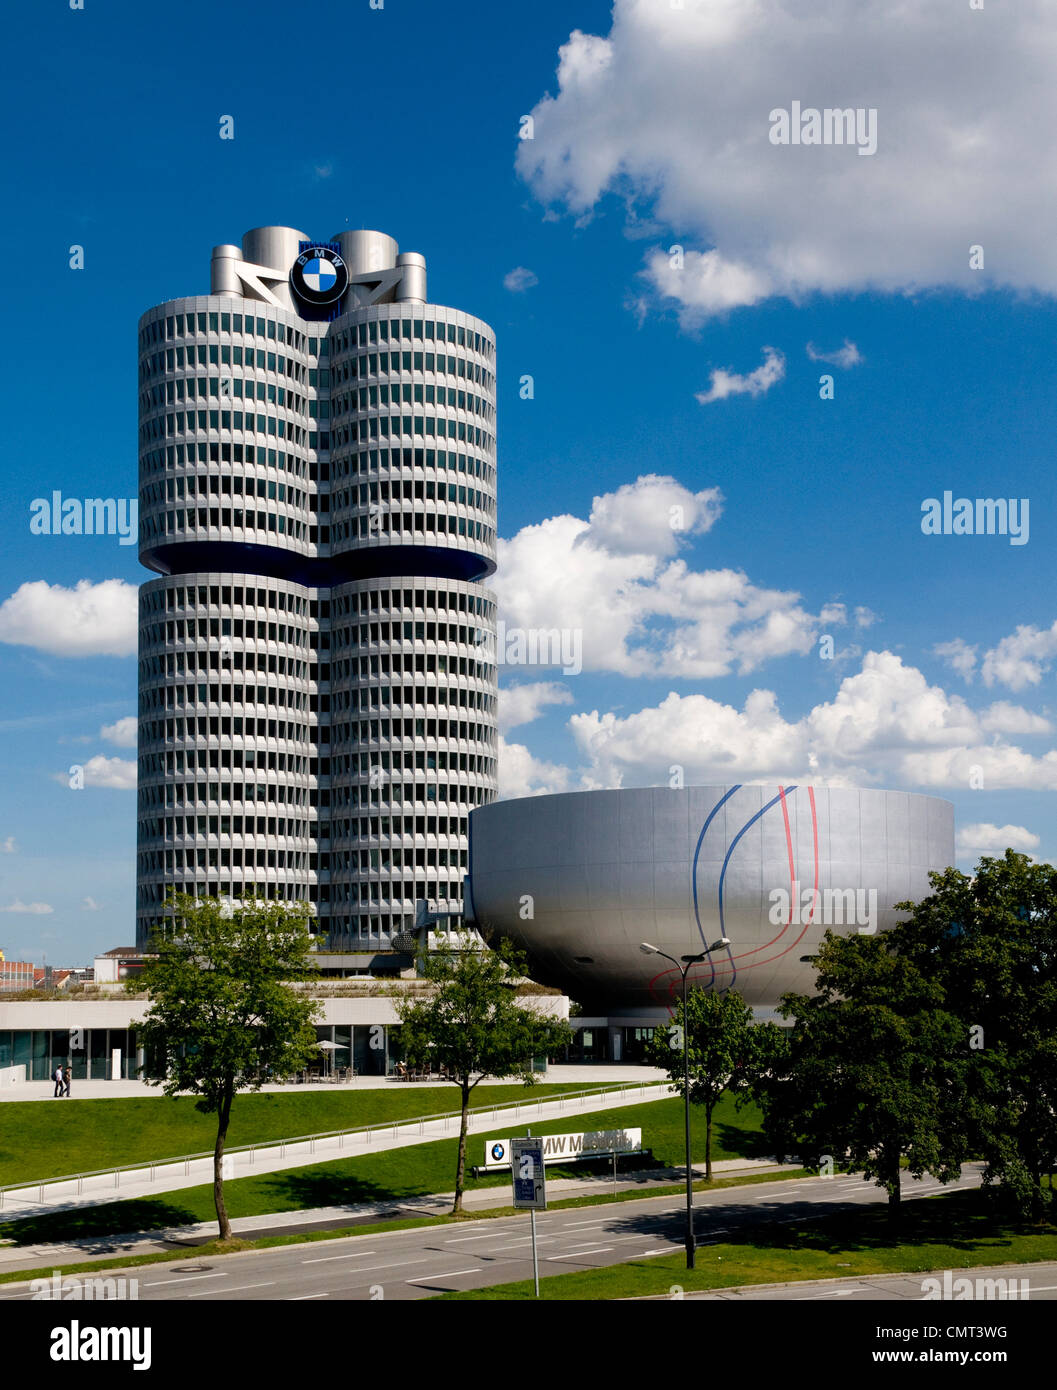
366,1131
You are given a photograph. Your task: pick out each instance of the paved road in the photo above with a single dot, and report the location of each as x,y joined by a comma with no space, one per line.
1031,1283
417,1264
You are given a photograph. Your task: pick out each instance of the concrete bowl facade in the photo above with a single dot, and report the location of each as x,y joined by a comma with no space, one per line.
579,880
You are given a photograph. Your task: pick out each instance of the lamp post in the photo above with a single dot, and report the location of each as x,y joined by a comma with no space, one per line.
684,969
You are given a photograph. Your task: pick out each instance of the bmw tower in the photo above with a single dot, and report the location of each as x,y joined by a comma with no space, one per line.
317,687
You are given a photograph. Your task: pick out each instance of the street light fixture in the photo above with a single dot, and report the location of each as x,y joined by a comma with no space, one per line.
684,968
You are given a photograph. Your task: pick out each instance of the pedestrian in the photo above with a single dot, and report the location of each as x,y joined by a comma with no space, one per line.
68,1079
57,1077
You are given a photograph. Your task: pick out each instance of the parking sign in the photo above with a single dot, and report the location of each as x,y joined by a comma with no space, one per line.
530,1188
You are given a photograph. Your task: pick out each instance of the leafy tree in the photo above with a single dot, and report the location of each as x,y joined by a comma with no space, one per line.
222,1011
470,1023
876,1069
991,942
727,1051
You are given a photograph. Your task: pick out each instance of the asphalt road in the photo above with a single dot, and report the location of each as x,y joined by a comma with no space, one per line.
420,1263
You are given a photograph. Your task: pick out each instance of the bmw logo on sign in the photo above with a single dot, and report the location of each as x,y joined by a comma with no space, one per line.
498,1152
319,275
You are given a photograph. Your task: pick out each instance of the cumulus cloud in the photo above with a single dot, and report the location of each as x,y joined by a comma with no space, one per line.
521,704
521,774
671,112
8,846
29,909
90,905
87,620
985,838
724,383
885,726
844,357
641,610
123,732
100,771
1021,659
520,279
959,656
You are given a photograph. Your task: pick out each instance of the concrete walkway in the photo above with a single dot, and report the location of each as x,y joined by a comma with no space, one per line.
91,1248
567,1076
153,1180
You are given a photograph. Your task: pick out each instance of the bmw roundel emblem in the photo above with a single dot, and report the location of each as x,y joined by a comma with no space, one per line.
319,275
498,1152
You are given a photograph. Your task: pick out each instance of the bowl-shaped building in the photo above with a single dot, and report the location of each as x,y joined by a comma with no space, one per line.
749,875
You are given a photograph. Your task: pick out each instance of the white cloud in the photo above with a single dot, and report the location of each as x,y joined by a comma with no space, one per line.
985,838
520,279
87,620
90,905
641,610
1005,718
101,771
521,704
1021,659
8,846
865,617
844,357
885,726
755,383
670,111
30,909
959,656
123,732
521,774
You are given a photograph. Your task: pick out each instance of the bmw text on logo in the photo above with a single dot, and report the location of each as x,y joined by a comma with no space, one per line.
833,125
319,275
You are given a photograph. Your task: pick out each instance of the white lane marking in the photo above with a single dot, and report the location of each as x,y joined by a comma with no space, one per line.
575,1254
326,1259
456,1240
225,1274
304,1297
397,1264
237,1289
447,1274
664,1250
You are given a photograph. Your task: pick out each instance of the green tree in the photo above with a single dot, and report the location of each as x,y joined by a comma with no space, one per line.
222,1012
727,1051
471,1023
990,942
875,1071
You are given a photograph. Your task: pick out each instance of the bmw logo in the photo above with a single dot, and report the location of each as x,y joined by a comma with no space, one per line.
498,1152
319,275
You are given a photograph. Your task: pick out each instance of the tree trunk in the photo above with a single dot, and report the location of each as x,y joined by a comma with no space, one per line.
895,1193
460,1168
223,1117
708,1143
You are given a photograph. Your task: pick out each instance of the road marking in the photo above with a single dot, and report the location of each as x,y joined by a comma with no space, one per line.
237,1289
304,1297
327,1258
447,1274
830,1293
224,1274
393,1264
575,1254
456,1240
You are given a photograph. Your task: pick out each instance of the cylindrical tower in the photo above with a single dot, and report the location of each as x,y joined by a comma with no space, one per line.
317,712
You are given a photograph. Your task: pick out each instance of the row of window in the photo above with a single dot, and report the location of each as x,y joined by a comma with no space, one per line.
437,826
187,325
172,597
180,455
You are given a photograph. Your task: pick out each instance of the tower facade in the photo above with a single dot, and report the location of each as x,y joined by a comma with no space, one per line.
317,687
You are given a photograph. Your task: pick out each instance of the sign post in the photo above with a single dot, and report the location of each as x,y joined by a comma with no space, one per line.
530,1187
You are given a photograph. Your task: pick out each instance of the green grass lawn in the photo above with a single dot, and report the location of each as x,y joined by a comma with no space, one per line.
946,1232
38,1140
415,1171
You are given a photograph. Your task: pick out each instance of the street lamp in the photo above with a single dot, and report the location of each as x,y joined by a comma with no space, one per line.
683,969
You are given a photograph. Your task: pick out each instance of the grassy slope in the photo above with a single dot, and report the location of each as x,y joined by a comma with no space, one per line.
398,1173
952,1232
38,1140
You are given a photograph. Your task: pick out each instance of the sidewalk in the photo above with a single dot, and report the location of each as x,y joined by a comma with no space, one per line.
571,1076
152,1180
319,1218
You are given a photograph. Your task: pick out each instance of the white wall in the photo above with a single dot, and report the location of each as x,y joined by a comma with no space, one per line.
12,1076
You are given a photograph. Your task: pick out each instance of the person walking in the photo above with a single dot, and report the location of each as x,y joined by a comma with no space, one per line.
68,1077
57,1077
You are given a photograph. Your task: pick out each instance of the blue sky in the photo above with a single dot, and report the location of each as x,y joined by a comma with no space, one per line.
802,516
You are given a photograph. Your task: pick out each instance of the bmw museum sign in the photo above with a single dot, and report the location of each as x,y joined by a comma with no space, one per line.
319,275
497,1152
